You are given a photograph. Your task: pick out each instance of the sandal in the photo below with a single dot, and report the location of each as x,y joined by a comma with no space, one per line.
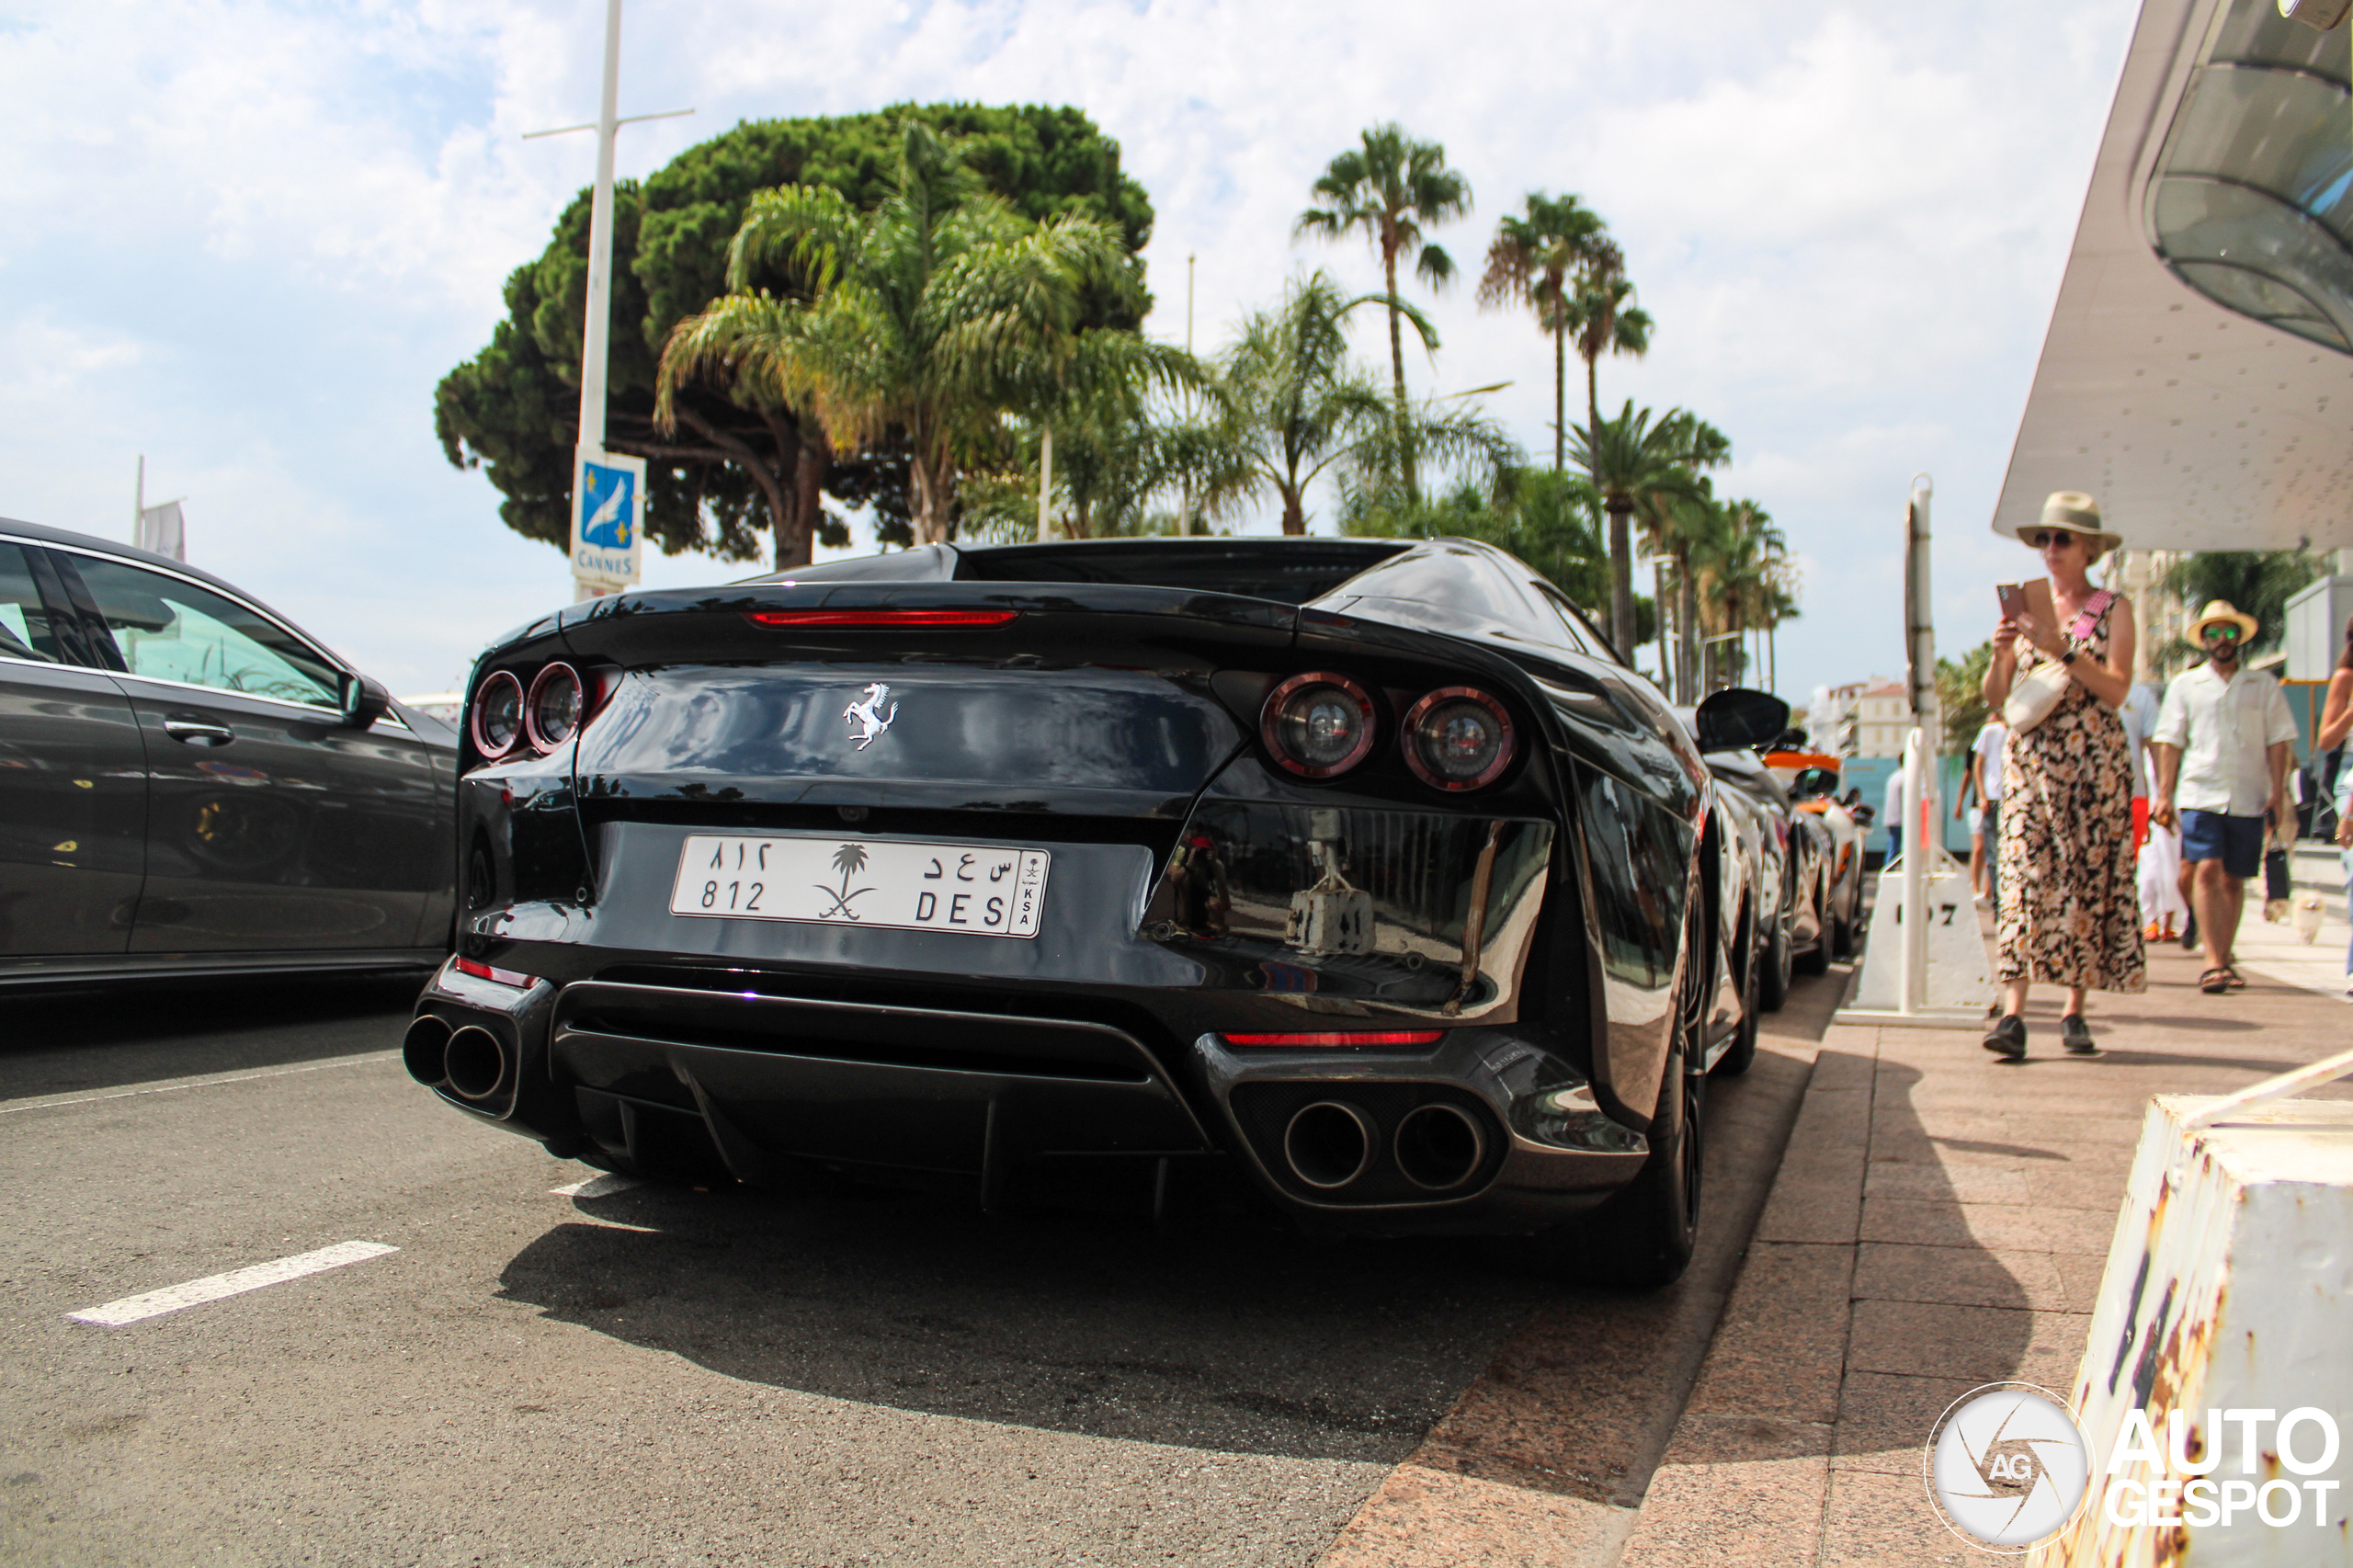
2076,1035
2238,980
2214,982
2007,1038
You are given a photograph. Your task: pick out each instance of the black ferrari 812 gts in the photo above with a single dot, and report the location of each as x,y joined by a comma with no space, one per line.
1364,867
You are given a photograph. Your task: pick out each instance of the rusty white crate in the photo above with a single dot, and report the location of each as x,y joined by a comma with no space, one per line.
2229,1288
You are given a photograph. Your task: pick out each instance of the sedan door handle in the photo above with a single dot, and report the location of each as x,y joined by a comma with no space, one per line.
199,732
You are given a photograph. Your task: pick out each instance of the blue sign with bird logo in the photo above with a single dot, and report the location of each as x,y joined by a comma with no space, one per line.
608,540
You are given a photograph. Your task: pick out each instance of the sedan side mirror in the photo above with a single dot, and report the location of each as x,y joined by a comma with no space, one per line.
1813,783
1737,719
365,700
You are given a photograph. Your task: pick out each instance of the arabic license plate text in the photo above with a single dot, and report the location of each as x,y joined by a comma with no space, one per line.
977,889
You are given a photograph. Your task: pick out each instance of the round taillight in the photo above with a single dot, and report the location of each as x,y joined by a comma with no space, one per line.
498,714
1458,738
1318,725
557,702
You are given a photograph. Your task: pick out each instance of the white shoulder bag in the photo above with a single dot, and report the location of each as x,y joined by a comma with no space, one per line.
2036,694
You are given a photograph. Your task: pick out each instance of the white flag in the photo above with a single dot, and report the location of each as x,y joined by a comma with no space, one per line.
161,531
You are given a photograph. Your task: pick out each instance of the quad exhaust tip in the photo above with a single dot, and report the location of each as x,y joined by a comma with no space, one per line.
1439,1146
423,1048
474,1063
1329,1144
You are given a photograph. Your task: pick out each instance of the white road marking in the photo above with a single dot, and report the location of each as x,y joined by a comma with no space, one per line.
172,1297
597,1187
53,1102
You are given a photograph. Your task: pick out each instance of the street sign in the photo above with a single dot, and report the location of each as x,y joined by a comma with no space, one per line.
607,518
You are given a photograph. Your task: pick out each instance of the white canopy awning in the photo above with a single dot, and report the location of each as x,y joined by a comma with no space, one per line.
2197,375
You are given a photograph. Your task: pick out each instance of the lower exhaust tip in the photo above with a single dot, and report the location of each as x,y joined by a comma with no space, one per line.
423,1048
474,1063
1439,1146
1329,1143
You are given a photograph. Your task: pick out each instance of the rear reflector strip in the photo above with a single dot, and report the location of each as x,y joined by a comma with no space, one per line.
481,970
1362,1037
878,619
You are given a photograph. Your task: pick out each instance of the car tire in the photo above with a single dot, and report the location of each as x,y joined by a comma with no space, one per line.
1742,1048
1642,1236
1775,963
1816,958
1842,938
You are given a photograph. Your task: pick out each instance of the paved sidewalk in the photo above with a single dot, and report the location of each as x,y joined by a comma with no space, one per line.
1940,1221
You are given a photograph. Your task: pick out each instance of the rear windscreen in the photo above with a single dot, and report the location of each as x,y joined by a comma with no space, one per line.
1291,571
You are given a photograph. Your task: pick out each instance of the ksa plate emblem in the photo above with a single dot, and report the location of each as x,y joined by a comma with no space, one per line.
867,717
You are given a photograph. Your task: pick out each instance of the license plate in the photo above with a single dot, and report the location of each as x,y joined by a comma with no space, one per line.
980,890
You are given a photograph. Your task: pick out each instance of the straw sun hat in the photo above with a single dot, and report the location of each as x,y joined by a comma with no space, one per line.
2077,513
2216,612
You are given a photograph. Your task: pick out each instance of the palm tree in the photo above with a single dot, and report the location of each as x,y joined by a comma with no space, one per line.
925,320
1288,402
1604,320
1535,260
1637,460
1388,188
1737,561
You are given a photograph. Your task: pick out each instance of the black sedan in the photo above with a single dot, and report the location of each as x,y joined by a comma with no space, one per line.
191,784
1361,865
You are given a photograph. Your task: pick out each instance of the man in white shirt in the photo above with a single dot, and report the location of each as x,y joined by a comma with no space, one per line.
1896,815
1985,841
2223,741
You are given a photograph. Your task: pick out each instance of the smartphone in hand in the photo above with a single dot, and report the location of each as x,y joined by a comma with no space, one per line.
2013,599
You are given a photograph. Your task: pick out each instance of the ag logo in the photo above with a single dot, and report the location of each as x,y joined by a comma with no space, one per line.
867,715
2008,1466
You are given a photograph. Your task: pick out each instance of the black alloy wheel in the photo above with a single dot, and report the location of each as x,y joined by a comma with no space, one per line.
1642,1236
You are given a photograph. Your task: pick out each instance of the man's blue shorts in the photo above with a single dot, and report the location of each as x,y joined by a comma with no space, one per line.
2237,842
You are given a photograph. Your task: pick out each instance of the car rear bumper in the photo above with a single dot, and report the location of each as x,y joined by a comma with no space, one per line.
766,1088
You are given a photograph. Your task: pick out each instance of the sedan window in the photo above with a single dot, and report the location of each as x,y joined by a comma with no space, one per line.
25,632
170,630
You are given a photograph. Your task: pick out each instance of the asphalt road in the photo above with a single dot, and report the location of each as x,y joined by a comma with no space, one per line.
654,1375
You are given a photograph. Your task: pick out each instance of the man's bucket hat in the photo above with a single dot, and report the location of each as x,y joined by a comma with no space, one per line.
2218,610
2077,513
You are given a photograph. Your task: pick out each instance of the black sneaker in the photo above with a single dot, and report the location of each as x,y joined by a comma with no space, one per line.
2076,1035
2007,1038
2190,935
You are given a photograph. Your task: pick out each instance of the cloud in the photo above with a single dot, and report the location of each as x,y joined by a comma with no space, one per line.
248,239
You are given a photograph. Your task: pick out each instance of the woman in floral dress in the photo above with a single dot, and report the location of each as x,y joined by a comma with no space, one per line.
2069,911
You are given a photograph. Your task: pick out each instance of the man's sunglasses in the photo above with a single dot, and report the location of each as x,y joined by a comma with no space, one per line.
2049,537
2221,634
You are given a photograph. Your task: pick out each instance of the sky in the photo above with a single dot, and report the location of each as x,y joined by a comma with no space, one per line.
246,240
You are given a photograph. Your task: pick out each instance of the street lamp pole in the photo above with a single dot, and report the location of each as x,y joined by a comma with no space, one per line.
594,339
595,336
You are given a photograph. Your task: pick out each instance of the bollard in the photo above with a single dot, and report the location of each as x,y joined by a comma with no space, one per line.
2217,1378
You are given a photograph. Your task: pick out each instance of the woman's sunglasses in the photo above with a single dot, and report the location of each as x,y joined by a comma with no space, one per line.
2045,539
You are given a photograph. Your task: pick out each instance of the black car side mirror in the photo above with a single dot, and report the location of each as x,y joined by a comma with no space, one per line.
1737,719
1813,783
365,700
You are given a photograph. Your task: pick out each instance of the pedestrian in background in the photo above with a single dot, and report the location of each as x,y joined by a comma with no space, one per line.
1985,772
2224,741
2335,723
2068,913
1897,809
